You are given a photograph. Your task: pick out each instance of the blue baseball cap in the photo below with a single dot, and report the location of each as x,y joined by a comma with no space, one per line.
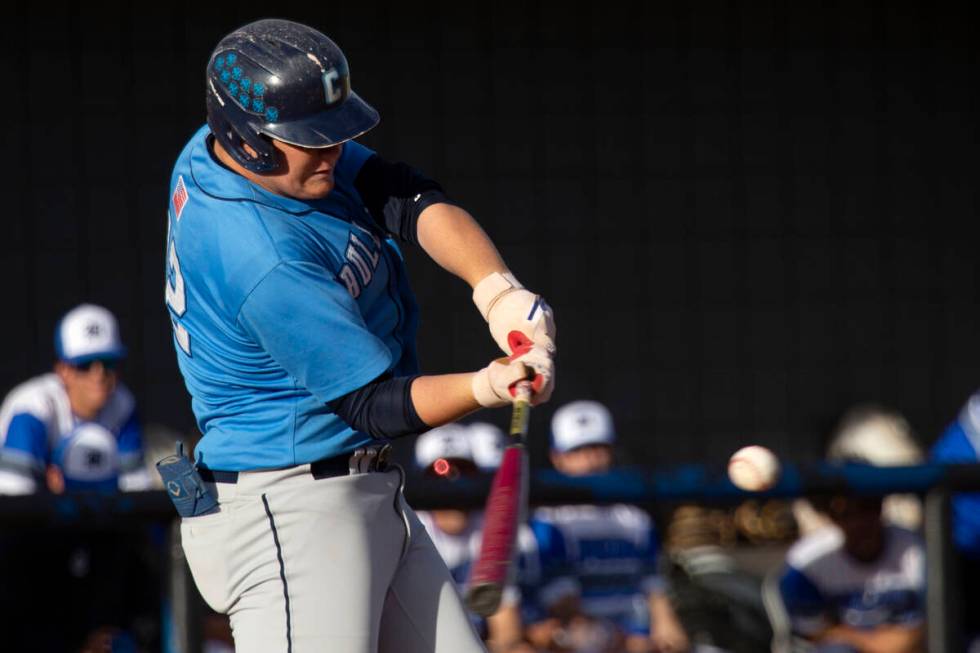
88,332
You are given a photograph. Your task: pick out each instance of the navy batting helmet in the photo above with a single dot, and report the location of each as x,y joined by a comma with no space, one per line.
279,79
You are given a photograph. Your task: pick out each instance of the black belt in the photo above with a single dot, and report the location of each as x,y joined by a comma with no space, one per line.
324,468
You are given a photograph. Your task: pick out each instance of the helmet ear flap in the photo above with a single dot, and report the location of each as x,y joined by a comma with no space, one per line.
235,138
265,159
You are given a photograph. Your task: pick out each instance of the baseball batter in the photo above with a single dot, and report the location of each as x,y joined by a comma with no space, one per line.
294,327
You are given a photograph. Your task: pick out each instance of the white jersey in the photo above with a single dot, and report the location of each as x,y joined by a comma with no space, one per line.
823,585
611,551
36,419
457,550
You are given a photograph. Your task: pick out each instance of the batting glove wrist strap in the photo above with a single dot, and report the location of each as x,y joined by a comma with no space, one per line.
491,288
507,306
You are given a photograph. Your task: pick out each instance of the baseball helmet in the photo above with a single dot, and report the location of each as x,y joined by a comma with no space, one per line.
279,79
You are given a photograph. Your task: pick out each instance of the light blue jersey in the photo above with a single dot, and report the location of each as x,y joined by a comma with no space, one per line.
279,306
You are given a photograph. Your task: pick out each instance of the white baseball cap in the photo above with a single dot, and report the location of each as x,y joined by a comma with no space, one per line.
581,423
449,441
488,443
86,333
89,457
876,435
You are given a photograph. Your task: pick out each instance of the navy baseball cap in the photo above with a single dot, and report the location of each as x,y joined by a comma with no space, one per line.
86,333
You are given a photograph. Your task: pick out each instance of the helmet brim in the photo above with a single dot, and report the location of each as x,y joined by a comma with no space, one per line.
331,127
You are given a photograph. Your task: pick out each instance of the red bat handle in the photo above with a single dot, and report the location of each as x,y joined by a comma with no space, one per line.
502,518
505,504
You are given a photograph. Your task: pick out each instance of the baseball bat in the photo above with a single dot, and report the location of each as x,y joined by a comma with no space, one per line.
506,504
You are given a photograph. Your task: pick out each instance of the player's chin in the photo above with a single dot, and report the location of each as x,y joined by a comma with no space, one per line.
317,186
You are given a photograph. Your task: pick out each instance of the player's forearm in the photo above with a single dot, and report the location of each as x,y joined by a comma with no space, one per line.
504,628
443,398
884,639
454,240
668,632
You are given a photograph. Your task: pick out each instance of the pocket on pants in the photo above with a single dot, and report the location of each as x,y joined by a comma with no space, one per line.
204,541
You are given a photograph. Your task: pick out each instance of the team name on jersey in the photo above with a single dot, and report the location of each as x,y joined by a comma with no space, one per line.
363,254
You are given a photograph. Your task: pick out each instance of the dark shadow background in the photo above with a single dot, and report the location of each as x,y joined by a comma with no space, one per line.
747,217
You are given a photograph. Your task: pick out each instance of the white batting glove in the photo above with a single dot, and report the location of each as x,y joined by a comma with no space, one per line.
507,306
493,386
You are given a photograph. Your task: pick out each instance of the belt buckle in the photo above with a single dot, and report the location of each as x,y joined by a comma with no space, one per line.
355,460
369,459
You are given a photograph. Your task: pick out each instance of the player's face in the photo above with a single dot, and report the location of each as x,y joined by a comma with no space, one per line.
89,385
306,173
590,459
451,522
859,518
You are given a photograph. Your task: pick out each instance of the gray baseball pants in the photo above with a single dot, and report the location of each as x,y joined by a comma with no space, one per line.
338,564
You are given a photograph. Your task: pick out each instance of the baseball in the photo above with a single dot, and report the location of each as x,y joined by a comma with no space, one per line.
753,468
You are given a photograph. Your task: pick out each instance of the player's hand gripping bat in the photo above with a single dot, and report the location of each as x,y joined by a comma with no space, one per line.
506,504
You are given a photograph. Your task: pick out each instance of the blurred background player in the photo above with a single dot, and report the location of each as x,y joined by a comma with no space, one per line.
960,443
858,585
878,436
76,428
609,596
487,441
717,598
449,452
78,419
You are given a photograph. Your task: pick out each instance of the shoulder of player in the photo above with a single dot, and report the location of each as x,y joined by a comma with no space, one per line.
38,396
351,161
815,549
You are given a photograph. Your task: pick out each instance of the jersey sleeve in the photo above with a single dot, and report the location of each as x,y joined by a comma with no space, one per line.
25,445
396,194
805,605
311,326
557,577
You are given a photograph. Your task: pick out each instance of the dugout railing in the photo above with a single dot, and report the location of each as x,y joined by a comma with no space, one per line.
688,483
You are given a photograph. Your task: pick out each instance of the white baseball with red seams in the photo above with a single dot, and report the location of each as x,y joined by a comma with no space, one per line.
753,468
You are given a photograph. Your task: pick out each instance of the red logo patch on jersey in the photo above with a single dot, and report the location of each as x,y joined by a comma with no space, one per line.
179,198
